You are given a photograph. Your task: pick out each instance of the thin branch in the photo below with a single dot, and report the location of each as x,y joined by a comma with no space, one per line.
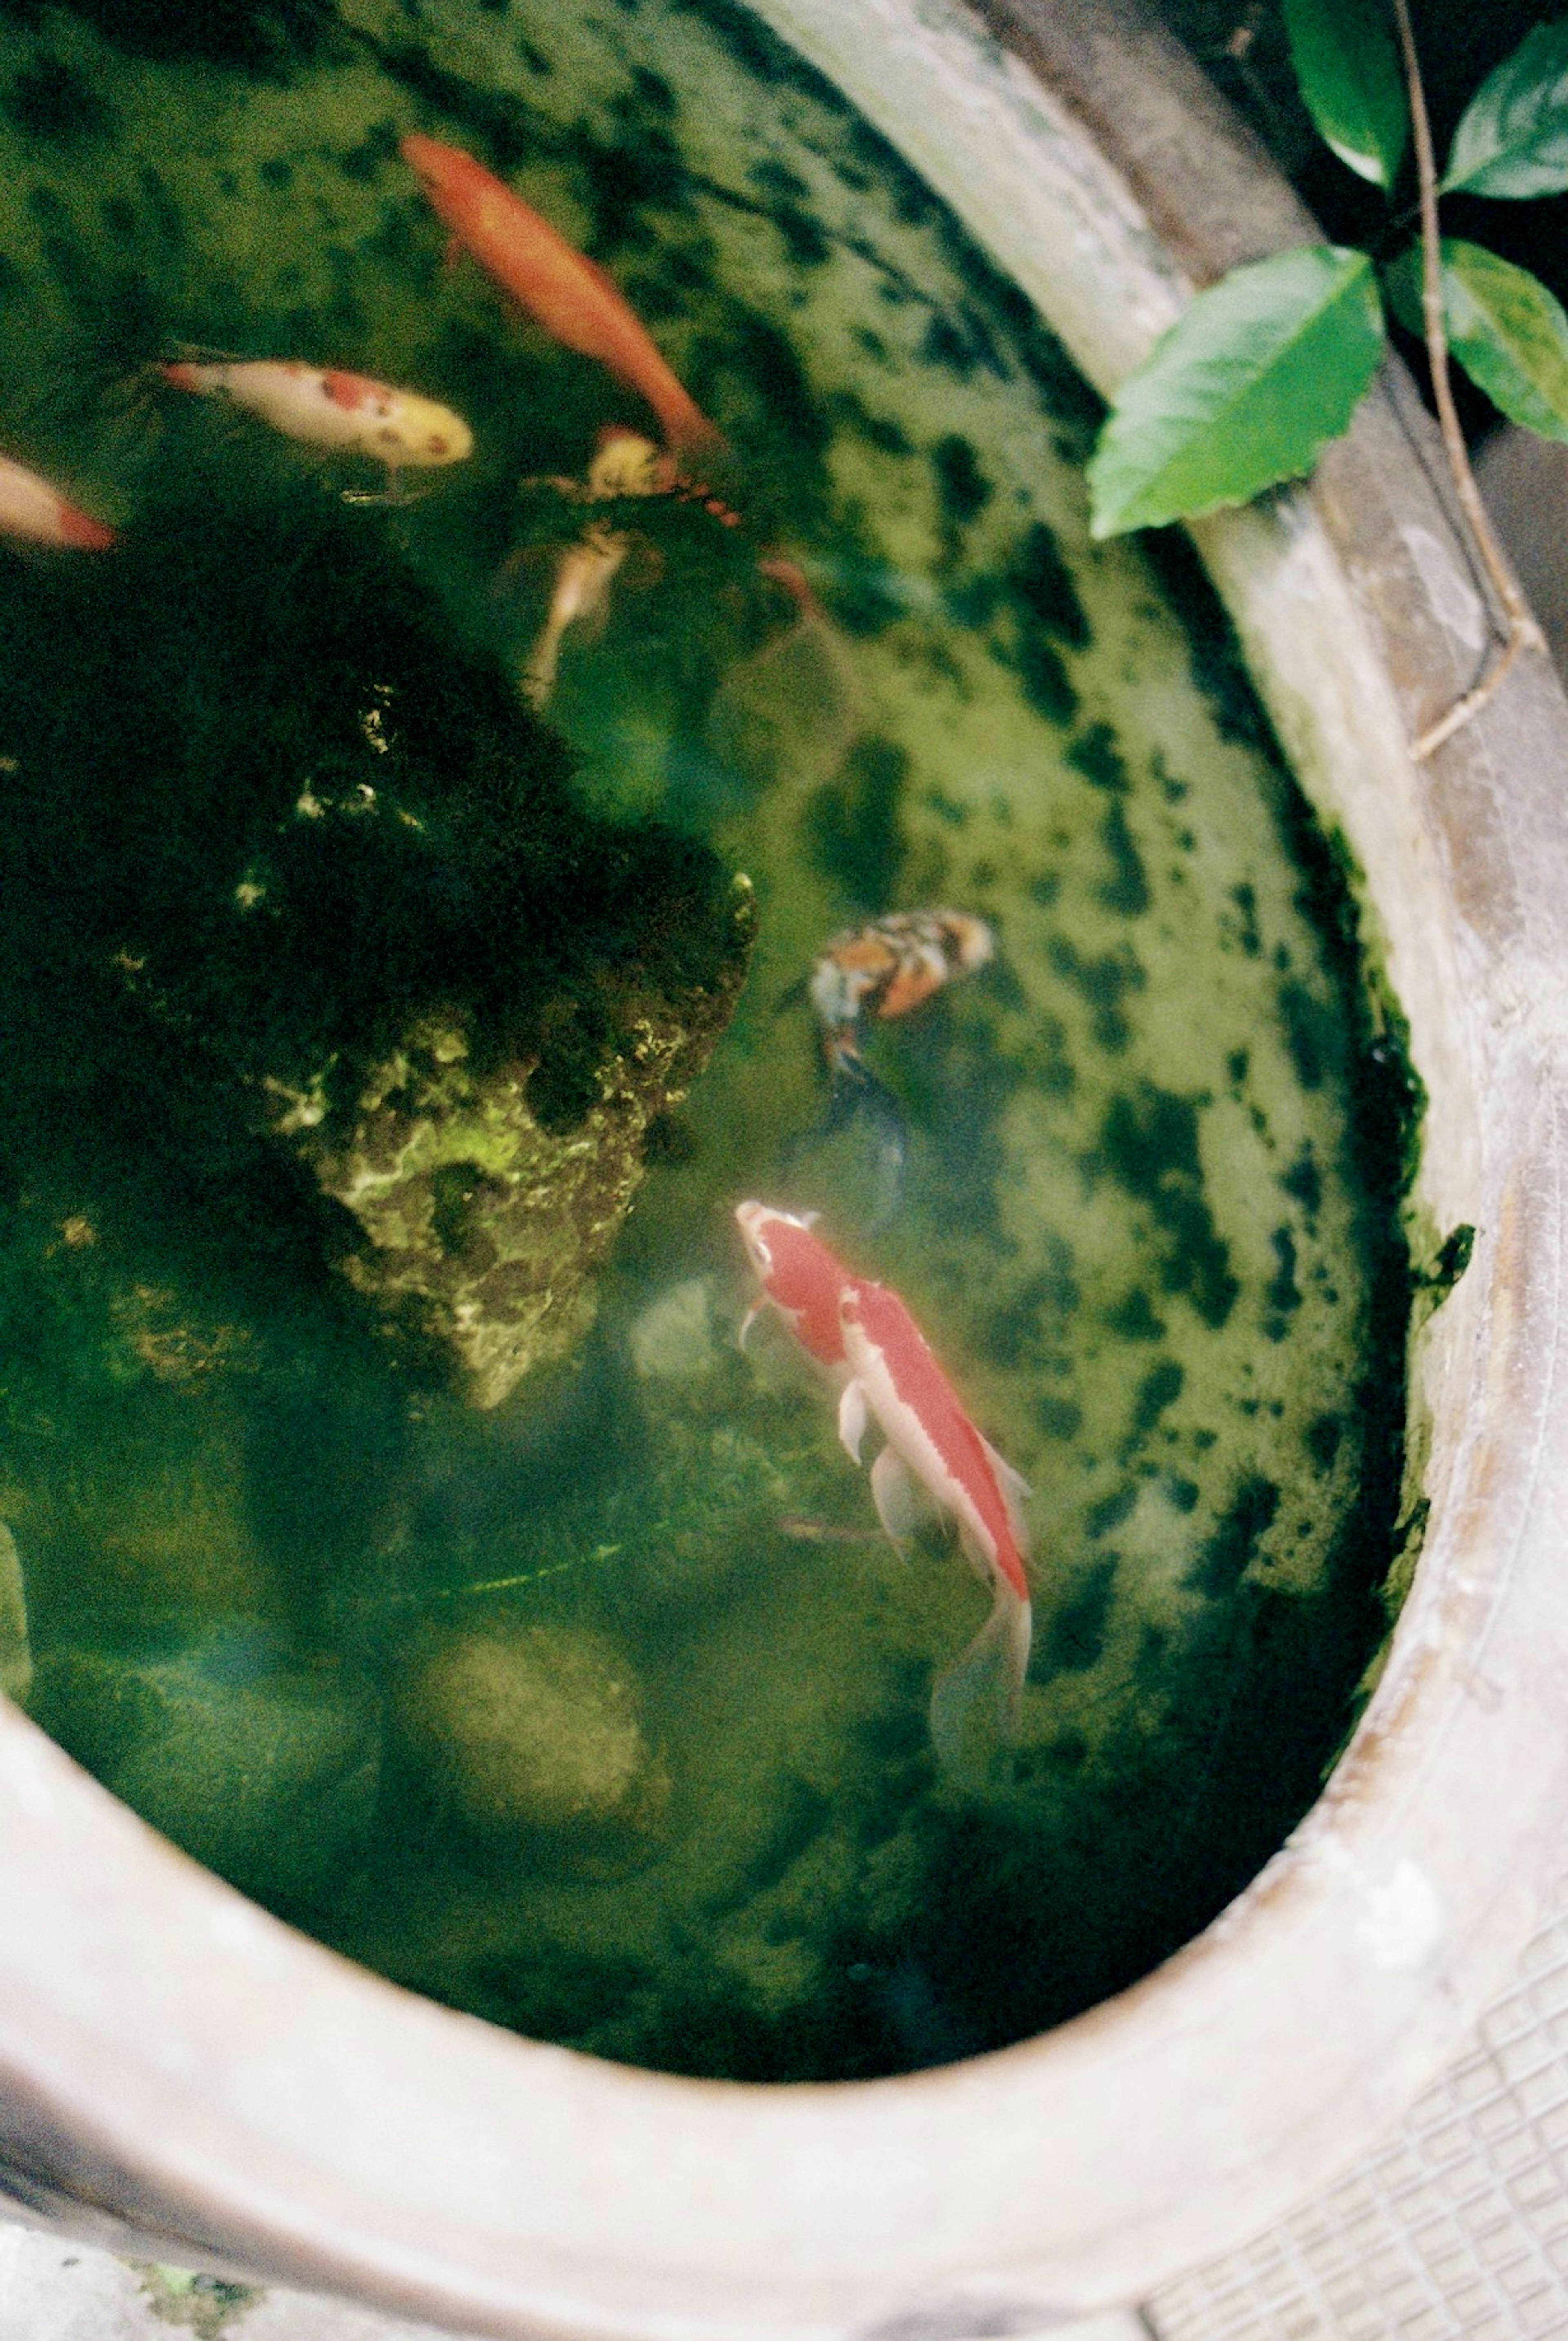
1460,714
1524,634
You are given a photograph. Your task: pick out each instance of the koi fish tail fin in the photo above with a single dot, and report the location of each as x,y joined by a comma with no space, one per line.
975,1702
794,995
789,575
854,1095
884,1117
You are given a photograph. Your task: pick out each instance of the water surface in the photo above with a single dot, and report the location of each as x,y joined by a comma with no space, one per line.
541,1651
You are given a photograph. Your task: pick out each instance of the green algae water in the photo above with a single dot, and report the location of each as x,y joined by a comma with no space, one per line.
390,1515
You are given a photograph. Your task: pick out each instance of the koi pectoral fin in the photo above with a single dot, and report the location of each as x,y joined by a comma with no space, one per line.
853,1418
902,1503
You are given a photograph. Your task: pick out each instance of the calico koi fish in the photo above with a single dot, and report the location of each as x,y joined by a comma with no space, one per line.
800,1275
625,464
31,509
559,287
328,408
935,1456
892,965
882,970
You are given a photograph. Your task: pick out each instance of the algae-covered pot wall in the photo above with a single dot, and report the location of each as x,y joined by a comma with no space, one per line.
179,2066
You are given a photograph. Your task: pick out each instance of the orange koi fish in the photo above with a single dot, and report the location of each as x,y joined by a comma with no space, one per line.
936,1456
559,287
328,408
626,464
31,509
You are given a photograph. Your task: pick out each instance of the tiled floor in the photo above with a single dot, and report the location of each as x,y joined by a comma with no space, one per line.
1455,2230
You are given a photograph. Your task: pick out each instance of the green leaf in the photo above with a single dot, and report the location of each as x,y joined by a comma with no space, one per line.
1348,69
1512,139
1244,388
1507,331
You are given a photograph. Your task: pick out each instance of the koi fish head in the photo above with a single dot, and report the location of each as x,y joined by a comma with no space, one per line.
969,941
798,1274
442,170
625,463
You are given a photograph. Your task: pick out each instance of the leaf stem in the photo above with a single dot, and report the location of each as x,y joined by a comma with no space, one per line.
1524,634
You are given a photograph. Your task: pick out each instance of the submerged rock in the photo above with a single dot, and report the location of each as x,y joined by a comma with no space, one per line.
15,1653
339,974
533,1727
488,1223
672,1340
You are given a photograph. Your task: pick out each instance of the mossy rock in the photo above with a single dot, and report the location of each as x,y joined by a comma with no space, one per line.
340,972
490,1224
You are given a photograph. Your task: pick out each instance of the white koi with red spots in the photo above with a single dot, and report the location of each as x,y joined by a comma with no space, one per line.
36,513
329,408
935,1458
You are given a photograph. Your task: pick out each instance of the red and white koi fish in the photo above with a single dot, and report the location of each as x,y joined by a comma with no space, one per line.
625,464
560,288
799,1276
329,408
31,509
935,1456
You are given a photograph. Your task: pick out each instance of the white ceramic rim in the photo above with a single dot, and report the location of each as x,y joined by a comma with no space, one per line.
177,2065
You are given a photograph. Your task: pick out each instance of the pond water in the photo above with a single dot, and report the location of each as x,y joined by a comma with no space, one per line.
392,1026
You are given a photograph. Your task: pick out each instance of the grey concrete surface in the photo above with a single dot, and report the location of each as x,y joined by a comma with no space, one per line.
52,2289
1525,480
